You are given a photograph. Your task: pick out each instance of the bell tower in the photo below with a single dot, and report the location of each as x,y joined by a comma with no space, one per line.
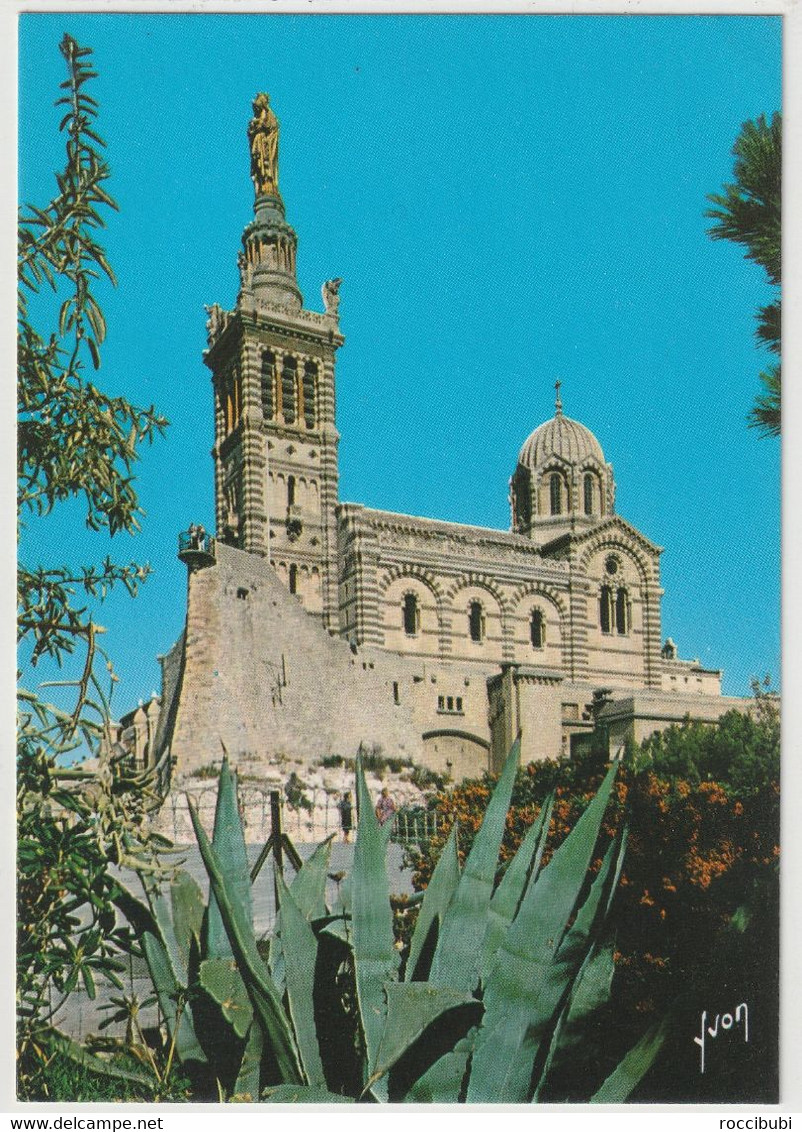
272,363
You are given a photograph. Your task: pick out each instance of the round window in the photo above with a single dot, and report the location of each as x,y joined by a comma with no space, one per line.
611,565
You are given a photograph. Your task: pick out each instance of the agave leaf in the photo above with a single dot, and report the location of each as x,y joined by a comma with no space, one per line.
308,890
169,992
589,994
300,956
303,1094
188,908
178,958
459,946
339,927
436,899
533,972
443,1082
229,845
507,898
138,915
60,1043
375,957
308,886
249,1077
411,1009
263,995
633,1067
222,981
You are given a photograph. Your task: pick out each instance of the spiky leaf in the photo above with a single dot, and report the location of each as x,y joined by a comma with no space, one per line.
527,986
229,845
436,899
172,1000
375,957
633,1067
507,898
459,947
262,992
444,1082
411,1009
308,890
188,907
249,1077
300,957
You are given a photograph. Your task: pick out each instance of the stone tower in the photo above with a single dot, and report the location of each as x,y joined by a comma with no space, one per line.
272,364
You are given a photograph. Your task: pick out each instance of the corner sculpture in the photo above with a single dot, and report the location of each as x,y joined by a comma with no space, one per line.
263,136
331,296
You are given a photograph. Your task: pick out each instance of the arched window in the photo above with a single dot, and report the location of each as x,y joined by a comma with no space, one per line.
621,612
556,490
309,384
522,498
588,493
411,613
476,621
288,379
537,629
606,609
290,491
293,579
268,376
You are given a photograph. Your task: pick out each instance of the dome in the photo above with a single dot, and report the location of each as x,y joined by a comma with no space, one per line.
561,437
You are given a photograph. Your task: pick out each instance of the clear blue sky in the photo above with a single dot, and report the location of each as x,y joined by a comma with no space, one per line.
510,199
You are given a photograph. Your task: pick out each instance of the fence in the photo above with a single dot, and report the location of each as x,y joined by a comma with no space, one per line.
303,824
415,827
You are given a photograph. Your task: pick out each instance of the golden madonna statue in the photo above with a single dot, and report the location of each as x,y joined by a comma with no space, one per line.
263,136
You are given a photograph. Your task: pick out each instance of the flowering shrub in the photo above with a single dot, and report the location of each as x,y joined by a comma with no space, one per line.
702,805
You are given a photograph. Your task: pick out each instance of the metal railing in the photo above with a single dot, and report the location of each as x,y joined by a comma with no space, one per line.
415,827
196,540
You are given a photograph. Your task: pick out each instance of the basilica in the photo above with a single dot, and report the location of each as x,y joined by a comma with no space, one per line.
317,626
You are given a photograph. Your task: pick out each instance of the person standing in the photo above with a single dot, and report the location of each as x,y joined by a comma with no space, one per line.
345,806
385,807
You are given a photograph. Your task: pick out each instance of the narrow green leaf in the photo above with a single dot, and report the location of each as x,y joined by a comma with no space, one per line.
634,1067
303,1094
308,886
444,1082
169,992
459,946
439,892
300,957
93,350
375,957
262,992
60,1043
177,957
533,973
229,845
250,1073
507,898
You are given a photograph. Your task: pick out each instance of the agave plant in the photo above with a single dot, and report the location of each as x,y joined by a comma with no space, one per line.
502,979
